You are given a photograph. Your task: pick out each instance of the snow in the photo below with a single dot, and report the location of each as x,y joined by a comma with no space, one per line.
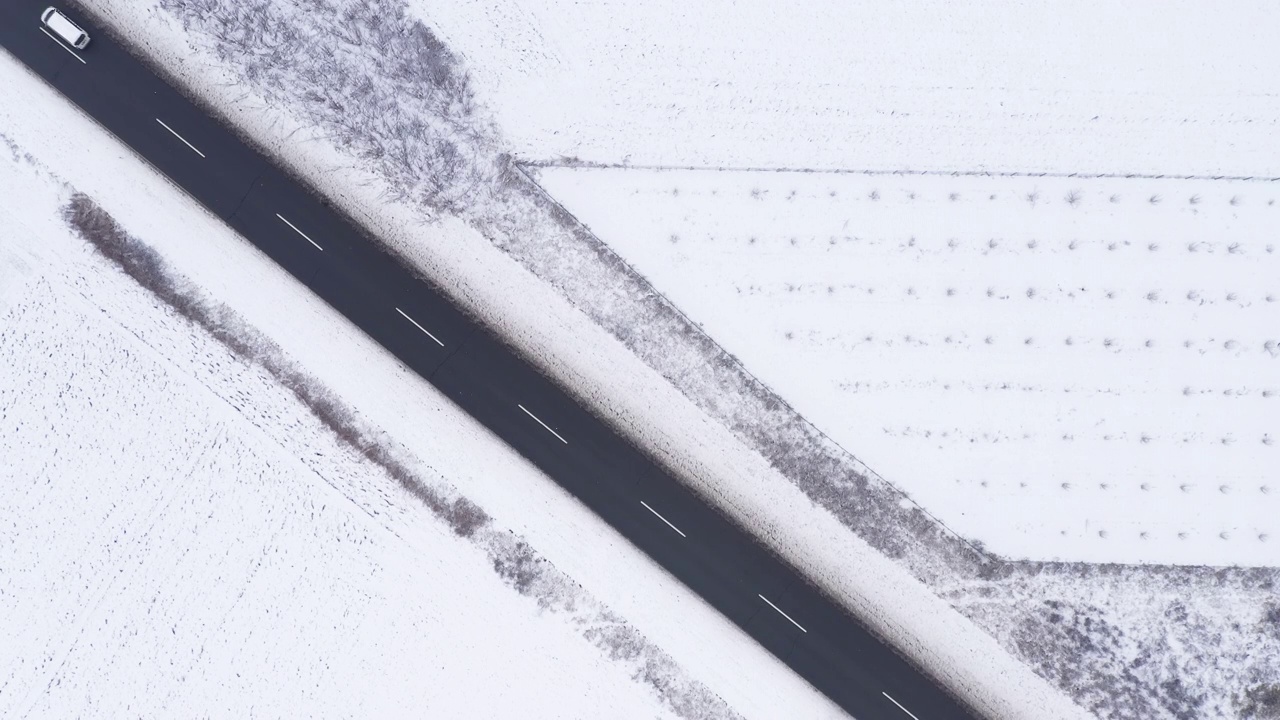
1090,87
149,531
164,557
182,532
1060,369
1020,640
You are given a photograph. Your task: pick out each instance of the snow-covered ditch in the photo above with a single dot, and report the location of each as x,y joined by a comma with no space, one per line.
345,93
203,514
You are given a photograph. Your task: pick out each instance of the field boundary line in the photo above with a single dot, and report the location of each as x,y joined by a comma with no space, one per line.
572,164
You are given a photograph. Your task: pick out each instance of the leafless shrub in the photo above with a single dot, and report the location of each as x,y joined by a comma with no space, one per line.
1073,198
518,565
331,63
1154,199
1261,702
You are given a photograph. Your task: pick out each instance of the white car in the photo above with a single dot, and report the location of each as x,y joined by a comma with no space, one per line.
62,26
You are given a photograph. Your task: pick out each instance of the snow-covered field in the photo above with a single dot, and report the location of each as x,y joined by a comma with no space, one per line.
165,556
1082,87
285,521
1017,639
1060,369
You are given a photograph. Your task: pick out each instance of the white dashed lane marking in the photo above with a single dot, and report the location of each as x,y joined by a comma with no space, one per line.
895,702
415,324
548,427
775,607
63,45
668,522
295,227
184,142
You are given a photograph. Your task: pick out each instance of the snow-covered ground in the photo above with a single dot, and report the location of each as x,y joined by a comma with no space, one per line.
165,556
1082,87
1017,639
284,521
1061,369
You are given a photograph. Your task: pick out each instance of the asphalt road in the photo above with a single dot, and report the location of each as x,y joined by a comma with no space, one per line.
716,559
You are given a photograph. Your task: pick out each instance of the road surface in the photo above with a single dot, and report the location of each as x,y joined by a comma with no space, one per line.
716,559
